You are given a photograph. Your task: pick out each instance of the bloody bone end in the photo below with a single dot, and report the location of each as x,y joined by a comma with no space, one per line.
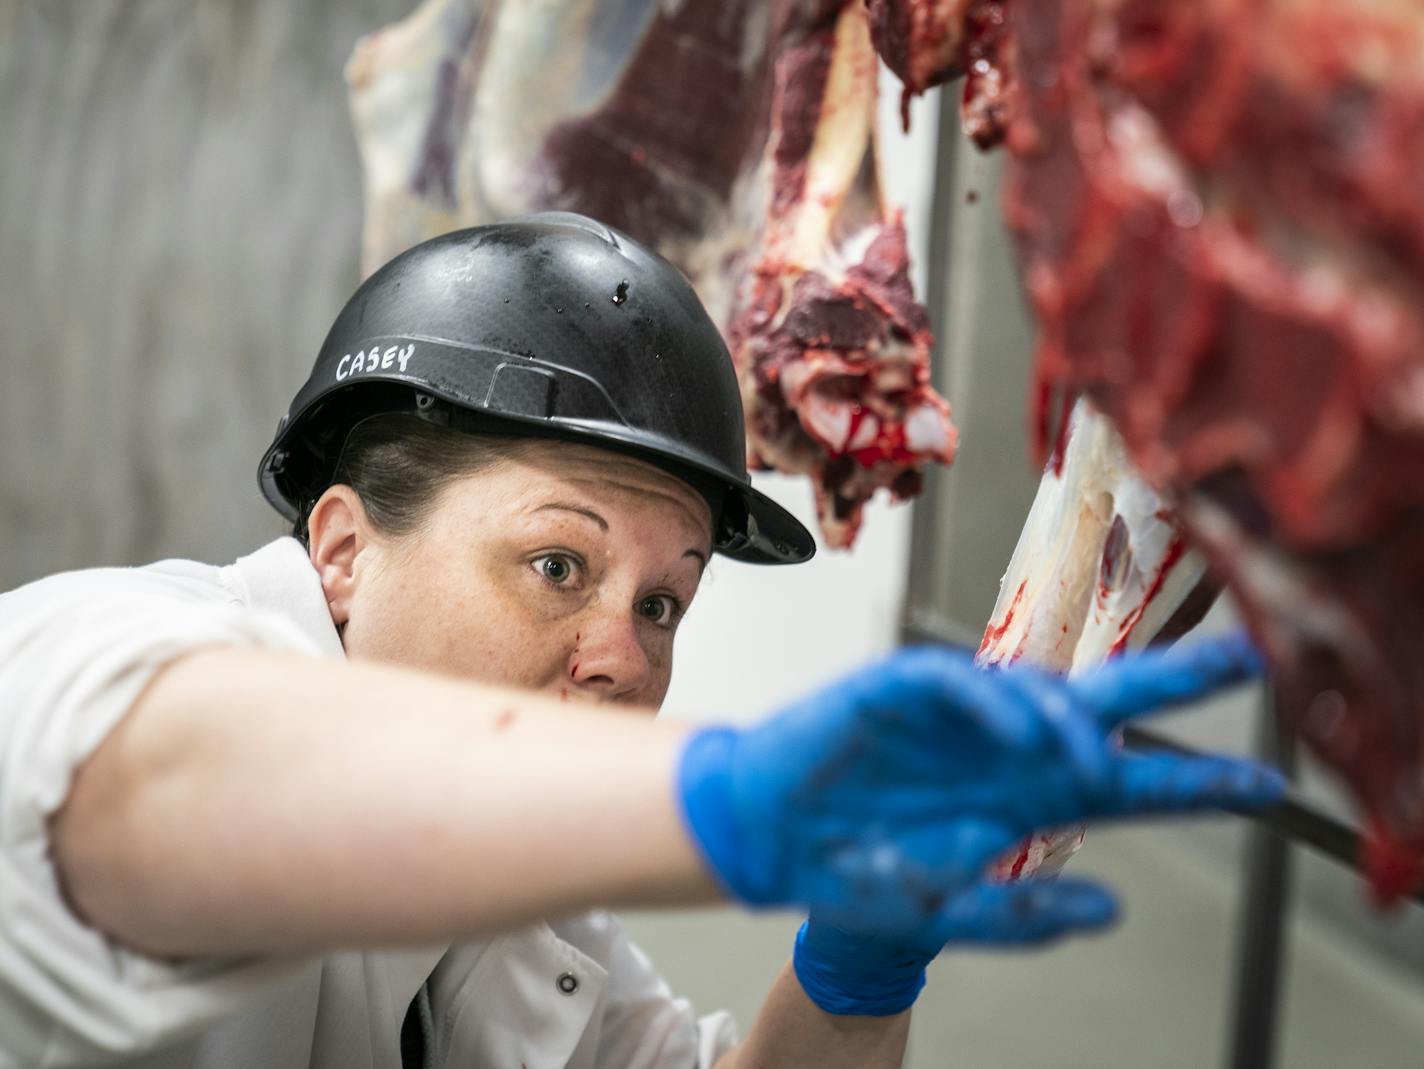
922,42
834,364
929,42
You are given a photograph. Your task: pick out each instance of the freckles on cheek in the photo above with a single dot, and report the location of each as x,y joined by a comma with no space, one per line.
659,656
515,652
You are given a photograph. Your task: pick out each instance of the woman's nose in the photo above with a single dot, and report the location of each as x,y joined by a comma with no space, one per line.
608,657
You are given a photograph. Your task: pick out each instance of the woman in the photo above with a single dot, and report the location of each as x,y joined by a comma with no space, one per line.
350,800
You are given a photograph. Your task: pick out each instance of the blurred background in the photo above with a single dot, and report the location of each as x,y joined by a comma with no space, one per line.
180,210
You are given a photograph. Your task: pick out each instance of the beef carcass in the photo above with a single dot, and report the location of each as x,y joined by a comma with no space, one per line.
1220,212
737,138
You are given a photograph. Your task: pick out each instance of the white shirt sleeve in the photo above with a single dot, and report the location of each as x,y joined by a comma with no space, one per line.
75,652
645,1026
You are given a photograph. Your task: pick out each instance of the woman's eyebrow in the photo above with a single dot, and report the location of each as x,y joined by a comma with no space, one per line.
579,509
701,558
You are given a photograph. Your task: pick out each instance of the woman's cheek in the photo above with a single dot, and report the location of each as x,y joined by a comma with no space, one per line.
529,636
658,650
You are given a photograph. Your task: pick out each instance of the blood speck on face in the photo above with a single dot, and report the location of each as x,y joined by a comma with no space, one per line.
505,718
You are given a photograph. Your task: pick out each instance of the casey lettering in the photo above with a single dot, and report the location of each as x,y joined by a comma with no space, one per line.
374,359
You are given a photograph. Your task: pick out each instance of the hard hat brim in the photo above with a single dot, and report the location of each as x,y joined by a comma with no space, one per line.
749,526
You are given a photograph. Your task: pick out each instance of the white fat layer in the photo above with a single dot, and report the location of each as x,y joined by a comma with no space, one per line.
1051,611
865,434
925,431
828,421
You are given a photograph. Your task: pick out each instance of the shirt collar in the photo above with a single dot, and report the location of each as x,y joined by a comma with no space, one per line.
280,578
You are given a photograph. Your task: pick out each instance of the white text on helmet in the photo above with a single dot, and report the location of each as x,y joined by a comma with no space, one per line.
373,360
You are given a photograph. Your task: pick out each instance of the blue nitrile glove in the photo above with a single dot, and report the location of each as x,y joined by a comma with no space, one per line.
878,801
849,972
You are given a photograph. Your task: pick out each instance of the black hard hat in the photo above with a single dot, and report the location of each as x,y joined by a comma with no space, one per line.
551,325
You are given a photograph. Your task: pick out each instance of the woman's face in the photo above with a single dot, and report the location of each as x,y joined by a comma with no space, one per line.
565,569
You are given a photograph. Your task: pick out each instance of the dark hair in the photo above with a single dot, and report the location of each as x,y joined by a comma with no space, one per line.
398,464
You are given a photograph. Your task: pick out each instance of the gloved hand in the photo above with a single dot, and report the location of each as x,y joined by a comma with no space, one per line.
851,972
878,801
868,974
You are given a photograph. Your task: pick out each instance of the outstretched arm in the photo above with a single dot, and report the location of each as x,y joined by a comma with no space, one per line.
256,802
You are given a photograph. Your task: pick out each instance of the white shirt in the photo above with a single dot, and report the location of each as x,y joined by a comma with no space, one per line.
75,651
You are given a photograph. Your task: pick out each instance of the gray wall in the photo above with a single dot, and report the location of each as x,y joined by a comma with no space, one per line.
180,201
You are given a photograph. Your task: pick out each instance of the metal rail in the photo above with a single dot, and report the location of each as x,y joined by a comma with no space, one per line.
1294,820
1266,903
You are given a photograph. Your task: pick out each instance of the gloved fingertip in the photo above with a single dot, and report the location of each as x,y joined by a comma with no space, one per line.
1096,912
1087,905
1218,783
1252,657
1257,784
1234,655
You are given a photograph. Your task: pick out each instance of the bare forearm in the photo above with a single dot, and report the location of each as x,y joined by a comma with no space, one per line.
253,802
791,1030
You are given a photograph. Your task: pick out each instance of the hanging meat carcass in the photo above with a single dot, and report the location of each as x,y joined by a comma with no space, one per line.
1220,211
737,138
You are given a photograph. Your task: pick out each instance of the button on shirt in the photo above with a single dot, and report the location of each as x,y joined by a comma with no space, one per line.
75,652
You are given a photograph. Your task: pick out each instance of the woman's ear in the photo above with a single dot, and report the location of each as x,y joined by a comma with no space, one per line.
336,535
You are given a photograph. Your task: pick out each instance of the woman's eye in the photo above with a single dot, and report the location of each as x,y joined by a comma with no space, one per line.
555,567
659,608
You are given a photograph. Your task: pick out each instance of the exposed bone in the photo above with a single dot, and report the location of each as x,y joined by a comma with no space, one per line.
1100,567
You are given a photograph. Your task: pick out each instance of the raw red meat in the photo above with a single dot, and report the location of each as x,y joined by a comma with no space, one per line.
923,43
831,347
927,42
1220,210
735,137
